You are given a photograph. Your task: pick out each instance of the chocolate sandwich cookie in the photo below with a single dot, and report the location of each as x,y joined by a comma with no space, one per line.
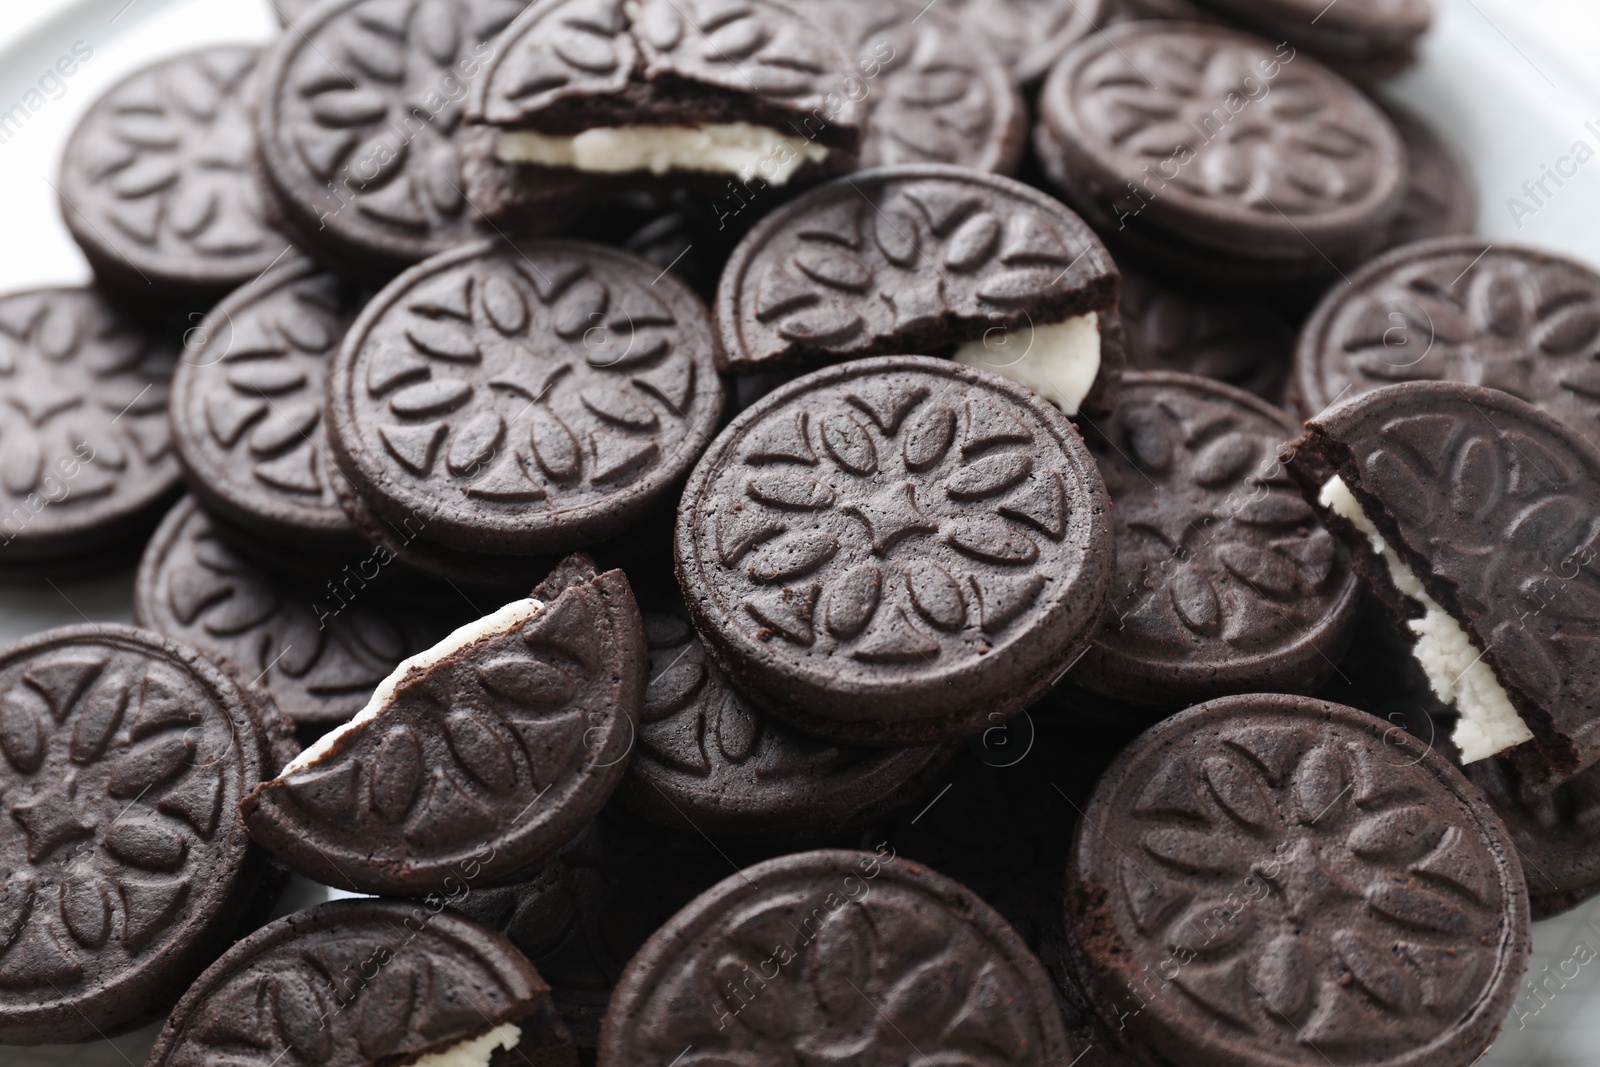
124,755
1240,148
354,983
615,91
1268,880
524,400
489,749
155,182
319,645
1032,34
825,956
1226,582
359,133
1178,10
247,402
85,460
1367,40
595,902
936,92
708,760
1171,327
1441,196
1472,515
896,551
1460,309
925,258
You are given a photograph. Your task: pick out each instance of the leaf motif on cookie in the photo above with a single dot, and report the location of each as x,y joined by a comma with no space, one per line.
488,750
879,265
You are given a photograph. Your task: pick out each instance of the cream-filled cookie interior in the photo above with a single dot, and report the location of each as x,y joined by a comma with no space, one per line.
1059,361
738,148
1455,668
506,619
474,1052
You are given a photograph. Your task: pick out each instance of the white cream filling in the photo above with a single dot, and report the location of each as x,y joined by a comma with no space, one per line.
506,619
739,148
1489,723
476,1051
1059,361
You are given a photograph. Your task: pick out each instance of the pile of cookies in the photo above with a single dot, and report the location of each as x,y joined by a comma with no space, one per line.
737,548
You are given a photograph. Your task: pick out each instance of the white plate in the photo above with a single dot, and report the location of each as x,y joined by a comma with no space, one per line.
1510,82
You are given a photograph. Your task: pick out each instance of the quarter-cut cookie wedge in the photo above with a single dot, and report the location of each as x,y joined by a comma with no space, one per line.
1473,516
754,90
490,749
368,983
930,259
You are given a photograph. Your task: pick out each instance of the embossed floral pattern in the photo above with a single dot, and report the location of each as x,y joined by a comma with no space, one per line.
86,427
897,263
1300,884
1504,318
118,773
158,176
527,389
361,119
1031,34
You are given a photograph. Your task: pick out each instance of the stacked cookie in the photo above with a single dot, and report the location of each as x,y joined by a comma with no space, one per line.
764,570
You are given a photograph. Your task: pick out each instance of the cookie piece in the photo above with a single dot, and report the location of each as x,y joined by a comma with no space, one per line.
318,645
1555,835
863,956
924,258
1365,40
1441,196
124,755
1472,515
494,746
85,460
1460,309
896,550
708,760
247,406
1305,886
1226,582
1258,152
359,132
1238,340
1032,34
357,982
524,400
668,88
155,181
975,118
595,901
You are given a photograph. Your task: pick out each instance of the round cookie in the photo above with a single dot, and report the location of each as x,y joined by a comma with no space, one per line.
1460,309
358,982
595,901
1364,34
1310,886
1240,341
491,748
1226,581
359,133
935,91
85,460
895,550
521,400
1555,835
124,754
155,181
1239,147
1441,196
856,954
1031,34
927,259
319,646
709,760
246,407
